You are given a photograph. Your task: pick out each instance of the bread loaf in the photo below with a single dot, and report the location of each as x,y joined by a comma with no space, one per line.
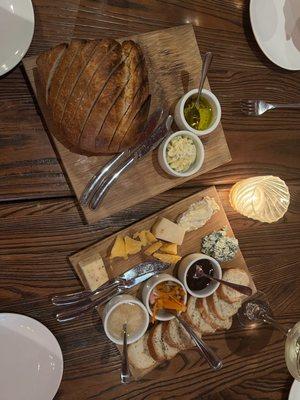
97,94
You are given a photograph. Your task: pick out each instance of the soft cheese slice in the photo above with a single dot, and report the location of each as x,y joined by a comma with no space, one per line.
198,214
94,271
168,231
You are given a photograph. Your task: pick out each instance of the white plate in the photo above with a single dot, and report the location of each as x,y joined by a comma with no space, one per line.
31,362
295,391
276,27
16,31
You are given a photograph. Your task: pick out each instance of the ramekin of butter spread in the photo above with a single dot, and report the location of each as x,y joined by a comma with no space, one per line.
181,154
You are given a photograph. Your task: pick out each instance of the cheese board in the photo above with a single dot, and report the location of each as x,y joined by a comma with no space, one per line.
173,61
191,244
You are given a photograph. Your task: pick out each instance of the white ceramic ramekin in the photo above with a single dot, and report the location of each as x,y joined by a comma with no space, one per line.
216,112
150,285
184,267
162,154
115,302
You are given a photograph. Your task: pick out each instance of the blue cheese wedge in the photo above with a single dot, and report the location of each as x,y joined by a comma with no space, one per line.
219,246
94,271
198,214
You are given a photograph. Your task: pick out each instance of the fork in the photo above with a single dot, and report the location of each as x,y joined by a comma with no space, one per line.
258,107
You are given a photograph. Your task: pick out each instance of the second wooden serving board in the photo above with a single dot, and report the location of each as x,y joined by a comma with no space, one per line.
174,63
191,244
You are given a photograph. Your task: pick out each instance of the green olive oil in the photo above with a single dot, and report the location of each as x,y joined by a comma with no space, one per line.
198,117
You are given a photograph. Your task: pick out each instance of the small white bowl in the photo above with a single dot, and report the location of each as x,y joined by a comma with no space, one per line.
216,112
162,154
185,265
150,285
114,303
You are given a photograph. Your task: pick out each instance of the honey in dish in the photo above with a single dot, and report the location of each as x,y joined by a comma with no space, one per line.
126,313
200,120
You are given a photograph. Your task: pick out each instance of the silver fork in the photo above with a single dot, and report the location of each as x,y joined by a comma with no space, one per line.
258,107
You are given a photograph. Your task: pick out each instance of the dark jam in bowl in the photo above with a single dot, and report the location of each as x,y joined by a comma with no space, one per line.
196,284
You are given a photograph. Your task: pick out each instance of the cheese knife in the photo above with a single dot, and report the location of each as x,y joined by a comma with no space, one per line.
88,299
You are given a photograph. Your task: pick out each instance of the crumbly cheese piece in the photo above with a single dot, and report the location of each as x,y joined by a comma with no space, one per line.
119,248
168,231
220,246
132,246
198,214
181,153
94,271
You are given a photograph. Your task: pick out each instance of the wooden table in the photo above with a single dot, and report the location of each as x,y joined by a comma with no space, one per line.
41,225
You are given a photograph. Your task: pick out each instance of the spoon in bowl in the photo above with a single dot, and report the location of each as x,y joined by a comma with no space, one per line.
239,288
125,373
193,113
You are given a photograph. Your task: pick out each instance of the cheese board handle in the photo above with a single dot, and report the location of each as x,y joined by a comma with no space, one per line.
210,356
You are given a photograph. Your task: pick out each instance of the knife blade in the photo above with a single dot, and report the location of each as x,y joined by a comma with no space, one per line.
144,268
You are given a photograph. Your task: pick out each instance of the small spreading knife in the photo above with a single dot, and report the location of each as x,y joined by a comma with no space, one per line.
89,299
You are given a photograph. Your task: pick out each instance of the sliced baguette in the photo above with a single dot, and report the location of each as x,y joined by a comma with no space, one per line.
210,317
193,315
139,356
221,308
155,343
169,350
234,275
176,336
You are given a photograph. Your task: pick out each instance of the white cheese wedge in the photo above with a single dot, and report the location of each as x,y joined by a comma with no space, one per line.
168,231
94,271
198,214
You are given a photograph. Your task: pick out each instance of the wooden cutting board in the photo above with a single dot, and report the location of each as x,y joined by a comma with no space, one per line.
174,63
191,244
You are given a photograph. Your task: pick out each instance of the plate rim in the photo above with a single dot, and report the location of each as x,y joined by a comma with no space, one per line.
294,384
19,58
251,5
9,314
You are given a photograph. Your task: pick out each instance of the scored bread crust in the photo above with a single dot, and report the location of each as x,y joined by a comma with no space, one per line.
69,83
46,65
106,55
234,275
105,107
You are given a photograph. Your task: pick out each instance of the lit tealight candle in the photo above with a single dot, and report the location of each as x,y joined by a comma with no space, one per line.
263,198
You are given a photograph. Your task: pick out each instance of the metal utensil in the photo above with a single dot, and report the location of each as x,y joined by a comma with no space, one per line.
239,288
212,359
258,107
93,184
148,145
135,276
125,372
193,110
148,267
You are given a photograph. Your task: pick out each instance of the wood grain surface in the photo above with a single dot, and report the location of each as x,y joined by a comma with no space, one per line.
41,225
173,63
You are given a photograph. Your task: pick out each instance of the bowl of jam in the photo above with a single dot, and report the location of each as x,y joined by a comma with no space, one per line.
199,286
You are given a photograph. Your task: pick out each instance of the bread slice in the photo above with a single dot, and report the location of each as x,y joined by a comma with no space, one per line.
234,275
193,315
125,98
47,63
139,356
91,134
169,351
62,70
155,343
77,66
211,318
221,308
106,55
176,336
